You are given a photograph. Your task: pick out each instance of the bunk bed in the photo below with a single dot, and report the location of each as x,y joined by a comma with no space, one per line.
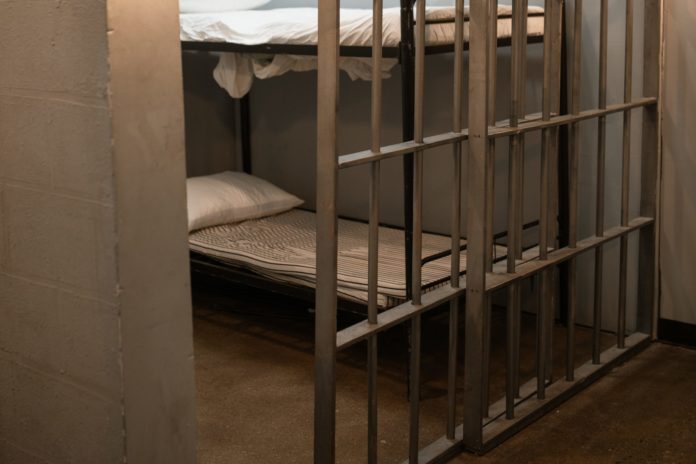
254,39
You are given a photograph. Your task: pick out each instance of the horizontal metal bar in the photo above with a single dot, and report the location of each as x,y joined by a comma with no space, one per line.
566,119
533,123
500,429
405,311
499,278
497,428
358,51
494,281
400,149
284,49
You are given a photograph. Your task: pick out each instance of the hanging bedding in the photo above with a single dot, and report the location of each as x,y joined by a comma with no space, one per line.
298,26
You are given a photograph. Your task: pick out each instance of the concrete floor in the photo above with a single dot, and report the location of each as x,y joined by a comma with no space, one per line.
254,379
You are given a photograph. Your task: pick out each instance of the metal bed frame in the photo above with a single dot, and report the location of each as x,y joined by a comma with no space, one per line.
485,425
405,53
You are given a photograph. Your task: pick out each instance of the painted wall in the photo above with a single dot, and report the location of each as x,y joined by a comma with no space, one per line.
677,247
283,139
93,299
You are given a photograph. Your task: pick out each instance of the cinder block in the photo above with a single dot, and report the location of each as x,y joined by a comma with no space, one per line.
56,146
56,420
55,47
69,242
74,337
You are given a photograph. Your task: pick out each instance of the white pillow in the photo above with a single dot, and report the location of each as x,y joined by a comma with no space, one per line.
229,197
215,6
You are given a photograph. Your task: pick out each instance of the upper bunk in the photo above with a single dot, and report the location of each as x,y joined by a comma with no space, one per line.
264,43
294,30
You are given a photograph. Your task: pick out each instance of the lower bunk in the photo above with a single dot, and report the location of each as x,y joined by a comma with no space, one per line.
280,249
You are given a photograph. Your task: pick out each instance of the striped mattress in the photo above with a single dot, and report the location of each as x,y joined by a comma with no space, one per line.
282,248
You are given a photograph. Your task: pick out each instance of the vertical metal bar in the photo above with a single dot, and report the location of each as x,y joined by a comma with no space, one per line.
519,15
327,234
490,190
476,222
417,234
373,244
575,96
601,154
557,38
523,113
626,176
414,390
456,218
519,213
245,129
546,149
492,91
406,57
418,138
563,171
650,167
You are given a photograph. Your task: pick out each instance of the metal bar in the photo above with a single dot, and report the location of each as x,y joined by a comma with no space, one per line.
529,411
418,167
519,215
500,429
574,152
519,15
563,171
555,37
414,390
245,129
456,218
490,190
626,175
414,387
452,368
499,279
601,155
476,222
501,130
372,428
650,167
373,243
495,281
406,57
544,207
327,235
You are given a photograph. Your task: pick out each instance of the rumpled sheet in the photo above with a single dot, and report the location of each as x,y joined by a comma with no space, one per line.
298,26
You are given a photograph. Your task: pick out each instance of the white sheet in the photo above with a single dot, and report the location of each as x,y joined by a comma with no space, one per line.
298,26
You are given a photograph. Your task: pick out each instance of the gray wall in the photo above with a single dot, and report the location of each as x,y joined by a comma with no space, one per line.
284,139
93,300
677,245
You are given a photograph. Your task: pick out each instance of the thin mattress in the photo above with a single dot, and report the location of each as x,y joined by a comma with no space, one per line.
282,248
298,26
236,72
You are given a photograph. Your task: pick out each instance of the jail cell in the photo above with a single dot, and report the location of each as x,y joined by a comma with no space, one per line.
553,258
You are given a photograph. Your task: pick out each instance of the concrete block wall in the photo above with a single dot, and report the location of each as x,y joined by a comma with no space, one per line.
80,343
60,348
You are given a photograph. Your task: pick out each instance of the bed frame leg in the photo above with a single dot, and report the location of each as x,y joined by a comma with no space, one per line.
406,59
245,127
